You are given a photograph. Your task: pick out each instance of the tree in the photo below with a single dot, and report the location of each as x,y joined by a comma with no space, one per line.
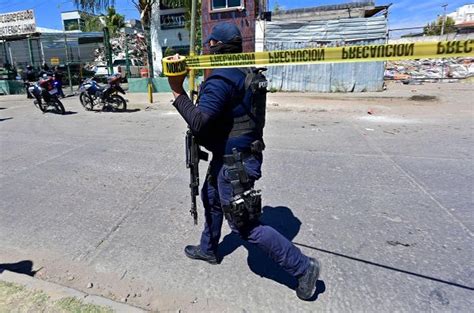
144,7
92,23
276,7
197,30
114,21
94,5
434,28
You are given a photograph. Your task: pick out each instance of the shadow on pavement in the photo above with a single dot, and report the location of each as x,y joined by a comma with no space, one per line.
69,113
387,267
6,119
281,219
112,111
130,110
22,267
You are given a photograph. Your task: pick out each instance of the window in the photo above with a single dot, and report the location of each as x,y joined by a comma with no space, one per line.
169,21
71,24
171,4
226,4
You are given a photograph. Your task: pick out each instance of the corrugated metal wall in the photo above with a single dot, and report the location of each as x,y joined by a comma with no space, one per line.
331,77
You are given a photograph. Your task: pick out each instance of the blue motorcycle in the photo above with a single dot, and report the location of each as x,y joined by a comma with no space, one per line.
107,98
46,93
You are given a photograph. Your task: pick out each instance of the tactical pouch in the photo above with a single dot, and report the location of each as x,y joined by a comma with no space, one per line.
246,205
245,209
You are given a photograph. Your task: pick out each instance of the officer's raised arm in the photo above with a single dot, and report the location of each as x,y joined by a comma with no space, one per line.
214,96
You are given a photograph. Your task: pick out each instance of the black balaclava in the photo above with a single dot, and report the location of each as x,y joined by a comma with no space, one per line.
233,46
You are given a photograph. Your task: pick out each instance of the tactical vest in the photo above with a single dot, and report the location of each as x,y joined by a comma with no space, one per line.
252,101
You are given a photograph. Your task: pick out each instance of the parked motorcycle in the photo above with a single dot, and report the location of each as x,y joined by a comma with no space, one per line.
45,90
108,98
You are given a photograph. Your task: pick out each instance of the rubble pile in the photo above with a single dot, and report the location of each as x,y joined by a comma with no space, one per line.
430,69
137,49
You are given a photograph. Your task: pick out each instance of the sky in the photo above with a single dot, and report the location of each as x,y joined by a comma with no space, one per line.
403,13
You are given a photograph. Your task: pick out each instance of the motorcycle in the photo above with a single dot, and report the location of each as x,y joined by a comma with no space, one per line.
46,93
92,94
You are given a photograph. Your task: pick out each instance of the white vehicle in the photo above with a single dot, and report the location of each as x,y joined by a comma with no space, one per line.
101,70
120,66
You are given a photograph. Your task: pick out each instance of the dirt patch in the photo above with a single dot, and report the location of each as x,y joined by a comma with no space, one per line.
423,98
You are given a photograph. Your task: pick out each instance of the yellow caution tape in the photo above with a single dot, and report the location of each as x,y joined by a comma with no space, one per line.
173,67
387,52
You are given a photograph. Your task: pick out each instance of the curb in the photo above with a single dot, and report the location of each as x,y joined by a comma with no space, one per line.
57,292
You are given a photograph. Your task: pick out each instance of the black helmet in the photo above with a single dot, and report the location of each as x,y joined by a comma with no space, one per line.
29,67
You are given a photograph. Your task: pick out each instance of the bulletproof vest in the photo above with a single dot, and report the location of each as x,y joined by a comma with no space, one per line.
250,103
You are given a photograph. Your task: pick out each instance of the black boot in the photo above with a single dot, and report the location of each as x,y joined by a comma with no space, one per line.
307,282
194,252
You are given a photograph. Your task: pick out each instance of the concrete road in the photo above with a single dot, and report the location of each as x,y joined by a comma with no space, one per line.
379,188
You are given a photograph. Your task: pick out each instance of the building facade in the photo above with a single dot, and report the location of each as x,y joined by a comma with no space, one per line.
169,33
464,14
243,13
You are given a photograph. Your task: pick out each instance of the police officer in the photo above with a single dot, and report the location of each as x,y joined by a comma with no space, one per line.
222,122
29,77
58,77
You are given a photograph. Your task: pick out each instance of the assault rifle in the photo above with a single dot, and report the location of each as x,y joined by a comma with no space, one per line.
193,155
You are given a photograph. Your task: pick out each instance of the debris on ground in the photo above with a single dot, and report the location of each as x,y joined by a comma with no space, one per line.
137,49
409,71
397,243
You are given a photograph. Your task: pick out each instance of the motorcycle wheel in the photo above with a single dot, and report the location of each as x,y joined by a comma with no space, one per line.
86,101
42,107
117,103
59,107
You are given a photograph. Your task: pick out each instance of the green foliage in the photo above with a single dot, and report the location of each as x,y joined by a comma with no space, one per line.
434,28
114,21
144,8
169,51
72,26
198,29
92,24
276,7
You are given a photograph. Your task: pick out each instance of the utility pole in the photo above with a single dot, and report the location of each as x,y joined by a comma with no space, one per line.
441,34
30,49
127,61
4,44
444,19
108,52
66,48
192,47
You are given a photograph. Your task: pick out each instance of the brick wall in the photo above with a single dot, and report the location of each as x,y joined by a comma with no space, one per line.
244,19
